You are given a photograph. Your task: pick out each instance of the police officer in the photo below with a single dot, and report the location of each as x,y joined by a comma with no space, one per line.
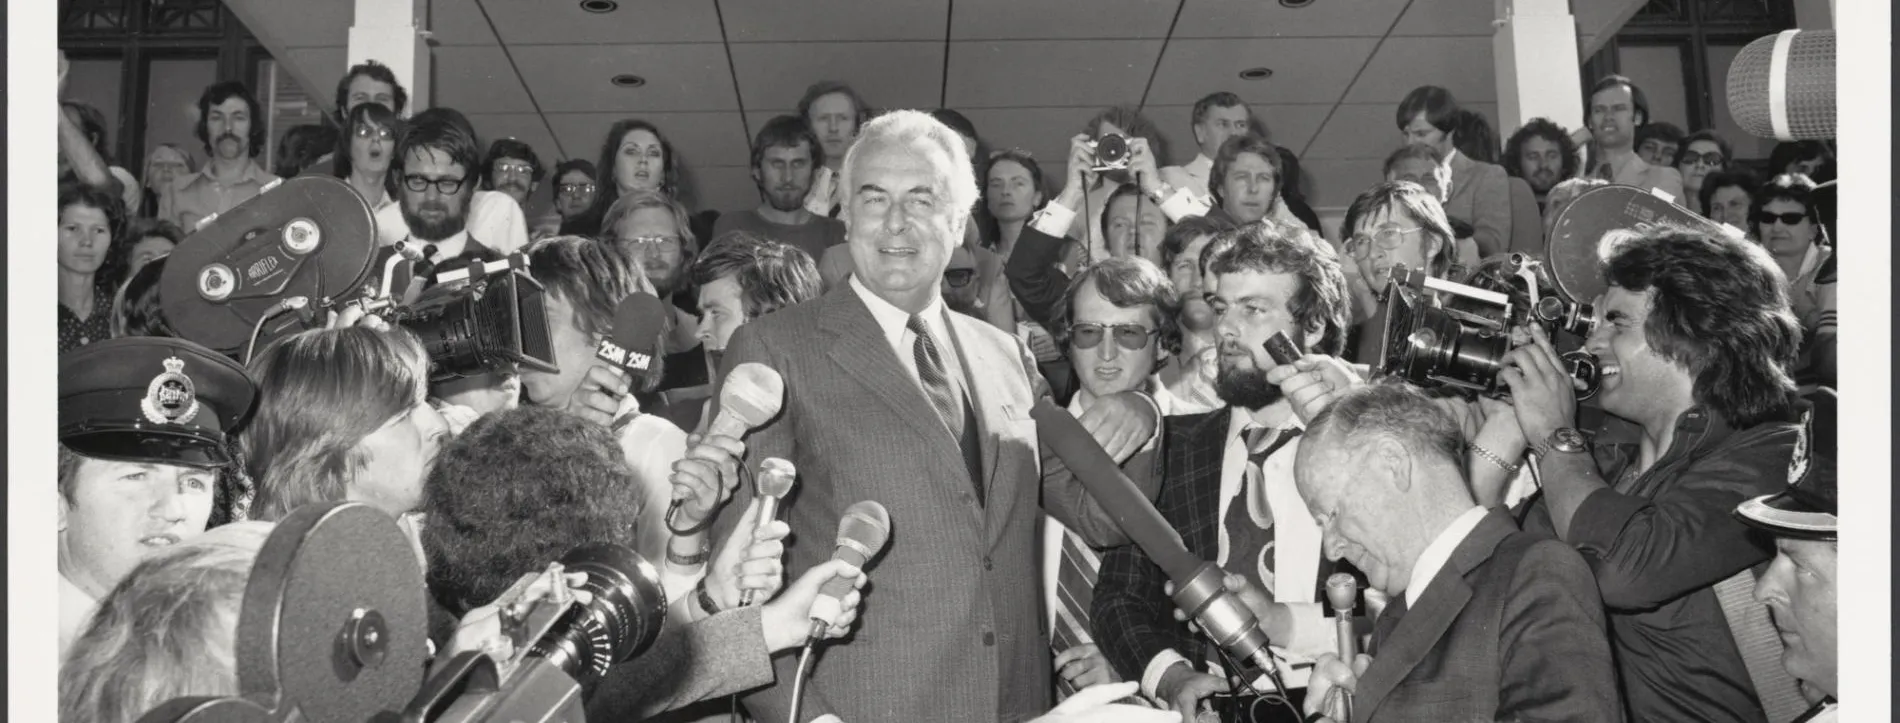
1800,585
143,430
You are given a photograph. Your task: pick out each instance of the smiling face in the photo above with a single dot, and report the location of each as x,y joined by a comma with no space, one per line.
1109,367
1637,383
640,162
1800,591
901,222
122,511
84,235
1249,187
1012,194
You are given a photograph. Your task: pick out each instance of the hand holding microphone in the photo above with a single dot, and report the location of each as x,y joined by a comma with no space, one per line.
749,560
862,532
1341,592
750,397
775,480
787,620
623,360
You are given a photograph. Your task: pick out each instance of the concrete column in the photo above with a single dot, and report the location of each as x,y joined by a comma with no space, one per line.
1534,44
393,32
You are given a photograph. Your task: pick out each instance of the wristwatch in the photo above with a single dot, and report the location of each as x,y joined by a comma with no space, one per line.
1562,439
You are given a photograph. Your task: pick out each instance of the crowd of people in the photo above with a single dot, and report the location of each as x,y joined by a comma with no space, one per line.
1531,555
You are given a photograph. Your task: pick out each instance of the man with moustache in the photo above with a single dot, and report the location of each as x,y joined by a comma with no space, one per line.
438,165
890,397
512,168
1542,154
785,157
1227,478
231,126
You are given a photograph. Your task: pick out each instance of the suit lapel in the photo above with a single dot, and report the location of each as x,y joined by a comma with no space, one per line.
1426,622
1203,450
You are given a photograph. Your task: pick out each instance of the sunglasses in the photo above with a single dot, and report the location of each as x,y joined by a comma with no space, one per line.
1133,337
1712,158
959,277
1787,219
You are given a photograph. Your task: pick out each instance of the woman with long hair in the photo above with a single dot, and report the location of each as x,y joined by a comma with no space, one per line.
633,158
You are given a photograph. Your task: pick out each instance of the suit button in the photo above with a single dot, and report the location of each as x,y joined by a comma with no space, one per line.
987,565
989,639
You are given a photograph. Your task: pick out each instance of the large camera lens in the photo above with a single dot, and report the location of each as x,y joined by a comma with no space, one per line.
1111,151
1438,350
623,619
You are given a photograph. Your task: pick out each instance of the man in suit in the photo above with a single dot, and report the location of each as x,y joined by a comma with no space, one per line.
1227,483
1486,622
890,397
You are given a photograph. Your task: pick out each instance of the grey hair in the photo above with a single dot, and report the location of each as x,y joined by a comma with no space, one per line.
905,127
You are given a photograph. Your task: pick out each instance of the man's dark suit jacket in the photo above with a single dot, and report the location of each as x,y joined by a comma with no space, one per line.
1511,628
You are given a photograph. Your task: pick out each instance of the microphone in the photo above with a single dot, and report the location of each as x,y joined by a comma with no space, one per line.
1782,86
862,532
750,397
1197,583
775,481
639,322
1341,590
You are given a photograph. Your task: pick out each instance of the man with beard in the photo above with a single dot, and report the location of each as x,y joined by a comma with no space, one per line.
785,155
232,130
1227,478
1542,154
513,169
438,164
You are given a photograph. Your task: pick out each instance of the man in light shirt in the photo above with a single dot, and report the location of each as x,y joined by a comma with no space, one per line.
1616,109
1485,621
231,126
1217,117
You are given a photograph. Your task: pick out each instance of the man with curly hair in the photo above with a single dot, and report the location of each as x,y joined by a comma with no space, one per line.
1543,154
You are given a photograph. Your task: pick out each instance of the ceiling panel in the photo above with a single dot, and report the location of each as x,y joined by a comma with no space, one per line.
1263,19
1044,132
1447,17
1305,70
576,78
703,139
455,22
1049,73
1062,19
1460,65
524,127
754,21
563,22
477,79
888,75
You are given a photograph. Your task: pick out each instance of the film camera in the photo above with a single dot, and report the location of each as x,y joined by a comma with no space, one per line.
1111,152
1441,333
307,245
333,628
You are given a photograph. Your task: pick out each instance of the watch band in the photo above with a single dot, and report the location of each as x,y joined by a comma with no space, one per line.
688,560
705,598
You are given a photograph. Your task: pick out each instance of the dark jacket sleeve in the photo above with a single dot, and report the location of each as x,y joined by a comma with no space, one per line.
718,656
1033,276
1132,618
1066,498
1649,551
1554,651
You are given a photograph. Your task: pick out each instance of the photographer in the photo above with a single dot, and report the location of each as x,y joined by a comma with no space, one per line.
1695,344
1393,223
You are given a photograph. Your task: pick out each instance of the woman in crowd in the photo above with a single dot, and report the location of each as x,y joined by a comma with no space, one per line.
635,157
167,163
1394,223
147,239
91,224
1785,224
1703,153
1479,193
364,150
1729,197
1806,158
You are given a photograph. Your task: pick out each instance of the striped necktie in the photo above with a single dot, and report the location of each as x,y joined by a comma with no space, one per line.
936,382
1077,570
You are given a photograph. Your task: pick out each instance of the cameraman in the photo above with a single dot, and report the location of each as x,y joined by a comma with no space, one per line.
1696,343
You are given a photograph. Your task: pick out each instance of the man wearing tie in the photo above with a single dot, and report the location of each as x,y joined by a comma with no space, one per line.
1227,481
890,397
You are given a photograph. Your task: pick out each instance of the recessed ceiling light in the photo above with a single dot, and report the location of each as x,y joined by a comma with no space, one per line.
629,80
1295,3
1256,74
607,6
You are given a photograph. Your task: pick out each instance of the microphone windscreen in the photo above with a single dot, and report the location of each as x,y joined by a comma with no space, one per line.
1117,495
863,530
776,477
1782,86
752,393
639,323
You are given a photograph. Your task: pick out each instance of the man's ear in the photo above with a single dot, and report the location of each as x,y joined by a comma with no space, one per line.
1392,461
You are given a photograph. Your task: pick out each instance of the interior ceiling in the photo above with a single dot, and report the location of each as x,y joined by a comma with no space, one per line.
1028,73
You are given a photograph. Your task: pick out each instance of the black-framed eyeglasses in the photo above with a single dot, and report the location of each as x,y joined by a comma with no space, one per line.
1387,238
959,278
1787,219
568,189
1712,158
1133,337
374,132
448,186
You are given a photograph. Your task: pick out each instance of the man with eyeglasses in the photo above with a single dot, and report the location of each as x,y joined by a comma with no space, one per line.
439,212
1703,153
1227,480
512,168
574,187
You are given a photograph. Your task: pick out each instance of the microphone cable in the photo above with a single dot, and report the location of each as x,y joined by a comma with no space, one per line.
804,668
1278,696
288,303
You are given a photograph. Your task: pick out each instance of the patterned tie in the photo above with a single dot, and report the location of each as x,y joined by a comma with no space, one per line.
930,371
1250,541
1076,573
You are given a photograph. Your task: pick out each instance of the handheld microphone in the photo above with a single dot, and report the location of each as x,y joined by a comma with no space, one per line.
1341,590
1782,86
775,480
636,338
751,396
1197,583
862,532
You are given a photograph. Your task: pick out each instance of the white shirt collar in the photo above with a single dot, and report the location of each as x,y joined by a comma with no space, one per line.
895,321
1280,413
1152,386
1439,552
447,248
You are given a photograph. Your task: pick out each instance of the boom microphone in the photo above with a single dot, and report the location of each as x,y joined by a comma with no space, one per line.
862,532
1782,86
750,397
775,481
1197,582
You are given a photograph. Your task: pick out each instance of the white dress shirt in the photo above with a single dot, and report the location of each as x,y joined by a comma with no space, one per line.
1439,552
895,324
1192,176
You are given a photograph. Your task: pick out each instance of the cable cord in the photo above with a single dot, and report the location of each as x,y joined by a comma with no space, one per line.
1278,696
804,667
